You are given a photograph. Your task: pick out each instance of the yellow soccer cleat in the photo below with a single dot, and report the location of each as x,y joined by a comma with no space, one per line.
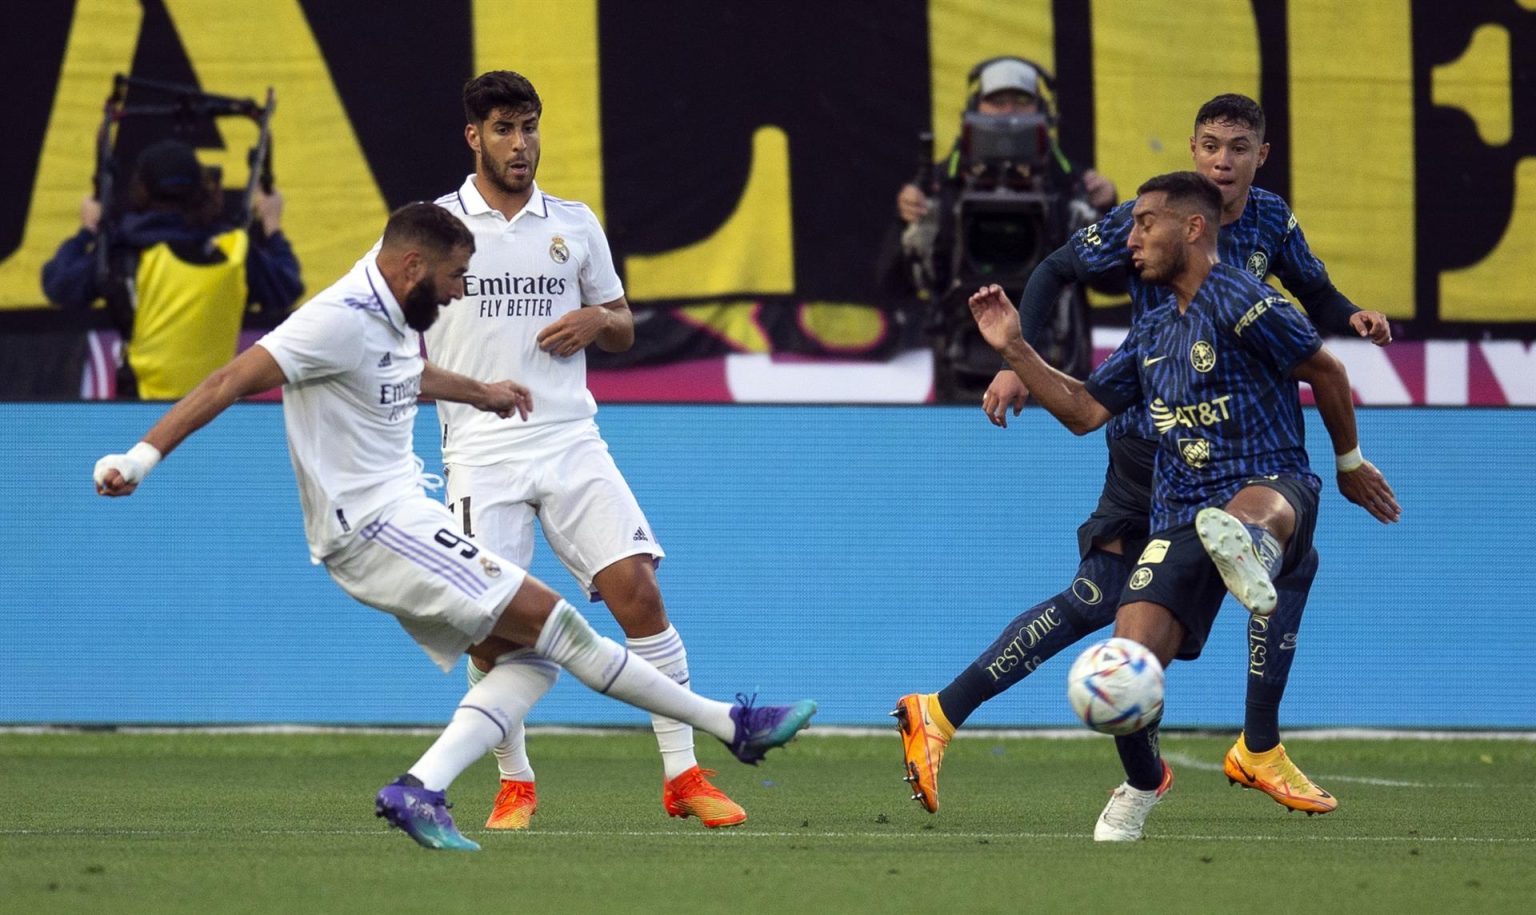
691,795
515,805
1273,773
923,742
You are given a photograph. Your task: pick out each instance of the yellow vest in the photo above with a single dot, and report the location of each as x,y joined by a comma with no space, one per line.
187,317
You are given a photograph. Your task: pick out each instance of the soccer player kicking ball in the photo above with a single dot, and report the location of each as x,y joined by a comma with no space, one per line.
1216,356
350,365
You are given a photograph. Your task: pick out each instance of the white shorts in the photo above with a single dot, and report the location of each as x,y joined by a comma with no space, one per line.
409,559
571,484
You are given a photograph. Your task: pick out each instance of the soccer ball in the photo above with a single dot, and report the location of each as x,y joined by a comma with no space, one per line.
1116,686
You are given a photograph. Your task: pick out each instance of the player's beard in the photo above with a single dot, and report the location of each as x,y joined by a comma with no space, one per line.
1163,274
420,305
496,173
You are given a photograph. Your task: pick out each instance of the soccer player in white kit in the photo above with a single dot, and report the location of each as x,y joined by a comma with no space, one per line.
540,289
351,369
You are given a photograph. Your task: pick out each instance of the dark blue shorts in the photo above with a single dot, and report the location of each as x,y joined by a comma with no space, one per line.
1174,570
1126,502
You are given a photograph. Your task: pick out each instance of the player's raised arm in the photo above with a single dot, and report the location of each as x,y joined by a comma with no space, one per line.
1359,480
1064,396
251,372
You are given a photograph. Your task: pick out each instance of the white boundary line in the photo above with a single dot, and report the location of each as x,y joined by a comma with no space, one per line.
740,835
814,731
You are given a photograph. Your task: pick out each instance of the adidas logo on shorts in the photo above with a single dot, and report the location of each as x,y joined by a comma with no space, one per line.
640,535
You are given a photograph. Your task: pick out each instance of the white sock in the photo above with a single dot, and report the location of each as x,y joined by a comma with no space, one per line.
608,667
534,675
484,718
665,652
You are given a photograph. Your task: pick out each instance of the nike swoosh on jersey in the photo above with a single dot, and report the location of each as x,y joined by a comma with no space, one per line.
1152,359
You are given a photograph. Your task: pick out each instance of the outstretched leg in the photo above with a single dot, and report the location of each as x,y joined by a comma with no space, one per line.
928,721
537,615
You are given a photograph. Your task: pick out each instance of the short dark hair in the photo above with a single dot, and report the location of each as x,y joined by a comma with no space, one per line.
1189,191
499,89
426,226
1239,109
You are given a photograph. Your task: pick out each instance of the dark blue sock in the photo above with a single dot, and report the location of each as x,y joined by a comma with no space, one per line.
1268,548
1141,757
1039,633
1271,649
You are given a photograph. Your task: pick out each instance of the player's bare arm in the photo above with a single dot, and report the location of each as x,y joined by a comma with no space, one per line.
1006,390
1064,396
1046,284
1359,480
610,325
500,397
1373,326
251,372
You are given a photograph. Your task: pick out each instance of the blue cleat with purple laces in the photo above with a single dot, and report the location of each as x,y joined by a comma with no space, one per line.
760,729
421,814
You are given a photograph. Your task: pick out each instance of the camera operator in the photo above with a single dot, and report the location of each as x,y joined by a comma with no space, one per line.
1003,198
181,279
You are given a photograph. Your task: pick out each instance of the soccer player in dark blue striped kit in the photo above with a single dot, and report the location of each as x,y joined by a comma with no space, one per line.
1215,356
1260,234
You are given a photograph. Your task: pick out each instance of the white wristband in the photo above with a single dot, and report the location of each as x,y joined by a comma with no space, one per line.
1349,460
148,456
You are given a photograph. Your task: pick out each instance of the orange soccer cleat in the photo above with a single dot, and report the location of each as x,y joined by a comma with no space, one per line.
923,740
691,795
515,805
1273,773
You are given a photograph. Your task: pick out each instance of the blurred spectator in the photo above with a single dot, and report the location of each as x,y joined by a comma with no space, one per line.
176,280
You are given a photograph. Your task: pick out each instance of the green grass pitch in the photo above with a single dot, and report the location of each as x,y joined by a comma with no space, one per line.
114,823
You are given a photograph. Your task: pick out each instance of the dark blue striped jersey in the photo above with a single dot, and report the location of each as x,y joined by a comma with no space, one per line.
1215,386
1265,239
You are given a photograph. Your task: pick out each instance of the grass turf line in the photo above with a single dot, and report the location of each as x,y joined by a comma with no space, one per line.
167,823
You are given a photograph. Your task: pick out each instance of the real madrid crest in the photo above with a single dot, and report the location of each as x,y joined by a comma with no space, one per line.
558,252
1258,264
492,570
1202,356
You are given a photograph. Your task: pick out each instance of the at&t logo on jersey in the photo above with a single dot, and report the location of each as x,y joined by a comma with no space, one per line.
1190,416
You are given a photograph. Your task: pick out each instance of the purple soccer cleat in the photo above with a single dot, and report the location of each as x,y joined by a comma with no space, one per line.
760,729
421,814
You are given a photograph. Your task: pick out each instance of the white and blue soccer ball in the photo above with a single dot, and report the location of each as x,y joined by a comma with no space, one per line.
1116,686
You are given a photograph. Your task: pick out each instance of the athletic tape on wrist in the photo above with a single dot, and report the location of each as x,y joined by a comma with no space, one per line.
148,456
1349,460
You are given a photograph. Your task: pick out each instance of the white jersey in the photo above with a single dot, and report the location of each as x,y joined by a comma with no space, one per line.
353,370
548,259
